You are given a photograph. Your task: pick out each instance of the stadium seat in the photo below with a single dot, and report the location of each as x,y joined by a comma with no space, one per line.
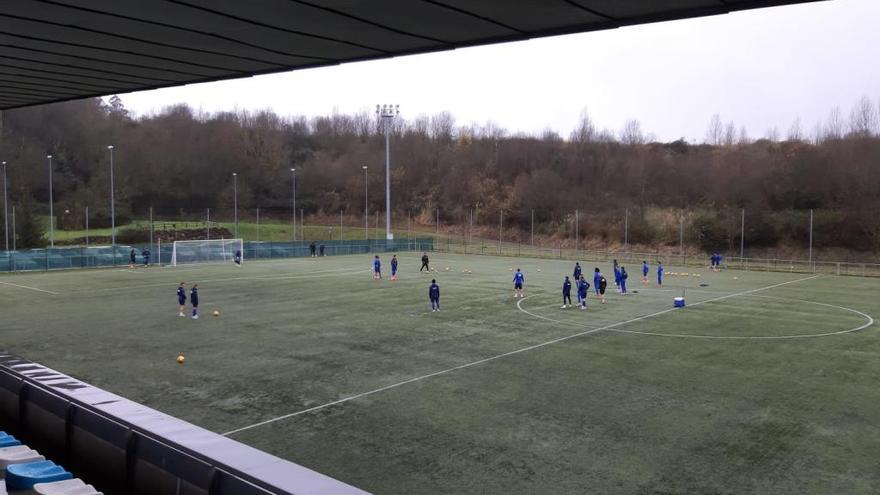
19,454
25,476
74,486
8,440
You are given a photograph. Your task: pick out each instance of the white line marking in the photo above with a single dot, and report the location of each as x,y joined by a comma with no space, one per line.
493,358
30,288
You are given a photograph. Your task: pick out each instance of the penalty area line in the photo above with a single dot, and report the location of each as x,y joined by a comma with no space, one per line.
493,358
29,288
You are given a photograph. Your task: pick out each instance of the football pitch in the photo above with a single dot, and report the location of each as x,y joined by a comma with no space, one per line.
765,383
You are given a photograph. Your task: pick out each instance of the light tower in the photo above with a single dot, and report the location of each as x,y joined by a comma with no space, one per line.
51,206
112,206
386,115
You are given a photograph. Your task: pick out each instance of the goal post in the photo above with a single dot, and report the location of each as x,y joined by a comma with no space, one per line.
206,251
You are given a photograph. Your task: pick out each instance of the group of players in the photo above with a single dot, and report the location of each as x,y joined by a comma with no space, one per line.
600,283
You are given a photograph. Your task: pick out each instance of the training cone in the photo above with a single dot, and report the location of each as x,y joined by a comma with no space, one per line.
180,359
216,312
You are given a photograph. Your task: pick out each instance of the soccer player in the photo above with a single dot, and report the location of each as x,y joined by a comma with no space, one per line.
181,299
623,277
617,276
566,293
583,288
660,273
434,296
377,268
597,275
321,249
424,263
577,271
718,262
645,270
312,249
146,255
237,258
603,284
194,300
394,267
518,281
132,258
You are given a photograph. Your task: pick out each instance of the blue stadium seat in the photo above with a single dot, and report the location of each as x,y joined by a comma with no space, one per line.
8,440
25,476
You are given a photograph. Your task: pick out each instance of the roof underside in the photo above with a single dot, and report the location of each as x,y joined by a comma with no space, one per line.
56,50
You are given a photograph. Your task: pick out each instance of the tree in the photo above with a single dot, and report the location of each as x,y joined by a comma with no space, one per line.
863,118
631,133
30,231
715,131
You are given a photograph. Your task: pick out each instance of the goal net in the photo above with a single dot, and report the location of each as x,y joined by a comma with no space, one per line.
213,251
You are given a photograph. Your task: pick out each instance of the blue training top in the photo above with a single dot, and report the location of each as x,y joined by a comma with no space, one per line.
519,278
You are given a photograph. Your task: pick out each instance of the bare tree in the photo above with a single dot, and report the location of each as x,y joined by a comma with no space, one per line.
715,131
834,125
863,118
632,133
794,132
772,134
729,134
586,129
818,133
743,138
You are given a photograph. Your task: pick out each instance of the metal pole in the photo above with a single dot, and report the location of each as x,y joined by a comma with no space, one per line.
576,232
5,211
500,230
681,235
626,230
258,225
235,201
533,228
113,205
470,228
87,226
387,113
811,239
302,229
340,224
13,228
437,227
51,207
208,223
742,236
366,206
151,229
293,173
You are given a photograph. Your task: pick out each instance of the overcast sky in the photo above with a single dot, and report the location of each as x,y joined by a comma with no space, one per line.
760,68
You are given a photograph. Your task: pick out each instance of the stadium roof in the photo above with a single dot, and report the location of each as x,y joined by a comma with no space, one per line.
56,50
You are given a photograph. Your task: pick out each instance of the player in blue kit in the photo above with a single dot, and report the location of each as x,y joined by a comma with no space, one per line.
597,275
237,258
194,300
577,271
394,267
518,280
623,277
602,285
566,293
146,256
617,276
583,288
132,258
181,299
645,270
434,296
377,268
660,273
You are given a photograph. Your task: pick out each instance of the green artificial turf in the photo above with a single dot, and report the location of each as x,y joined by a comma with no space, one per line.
487,396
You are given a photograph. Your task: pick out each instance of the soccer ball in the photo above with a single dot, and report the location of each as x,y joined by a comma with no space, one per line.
447,268
511,269
216,312
539,269
180,359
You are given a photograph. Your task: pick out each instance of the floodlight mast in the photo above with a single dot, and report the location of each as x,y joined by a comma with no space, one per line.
51,206
387,114
112,206
5,210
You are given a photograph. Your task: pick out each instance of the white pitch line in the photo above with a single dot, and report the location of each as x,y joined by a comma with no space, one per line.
29,288
496,357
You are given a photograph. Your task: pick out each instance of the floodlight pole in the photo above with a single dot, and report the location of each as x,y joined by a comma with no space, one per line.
293,174
366,206
626,230
87,226
533,228
5,211
387,113
576,232
811,239
112,205
742,236
51,206
235,200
